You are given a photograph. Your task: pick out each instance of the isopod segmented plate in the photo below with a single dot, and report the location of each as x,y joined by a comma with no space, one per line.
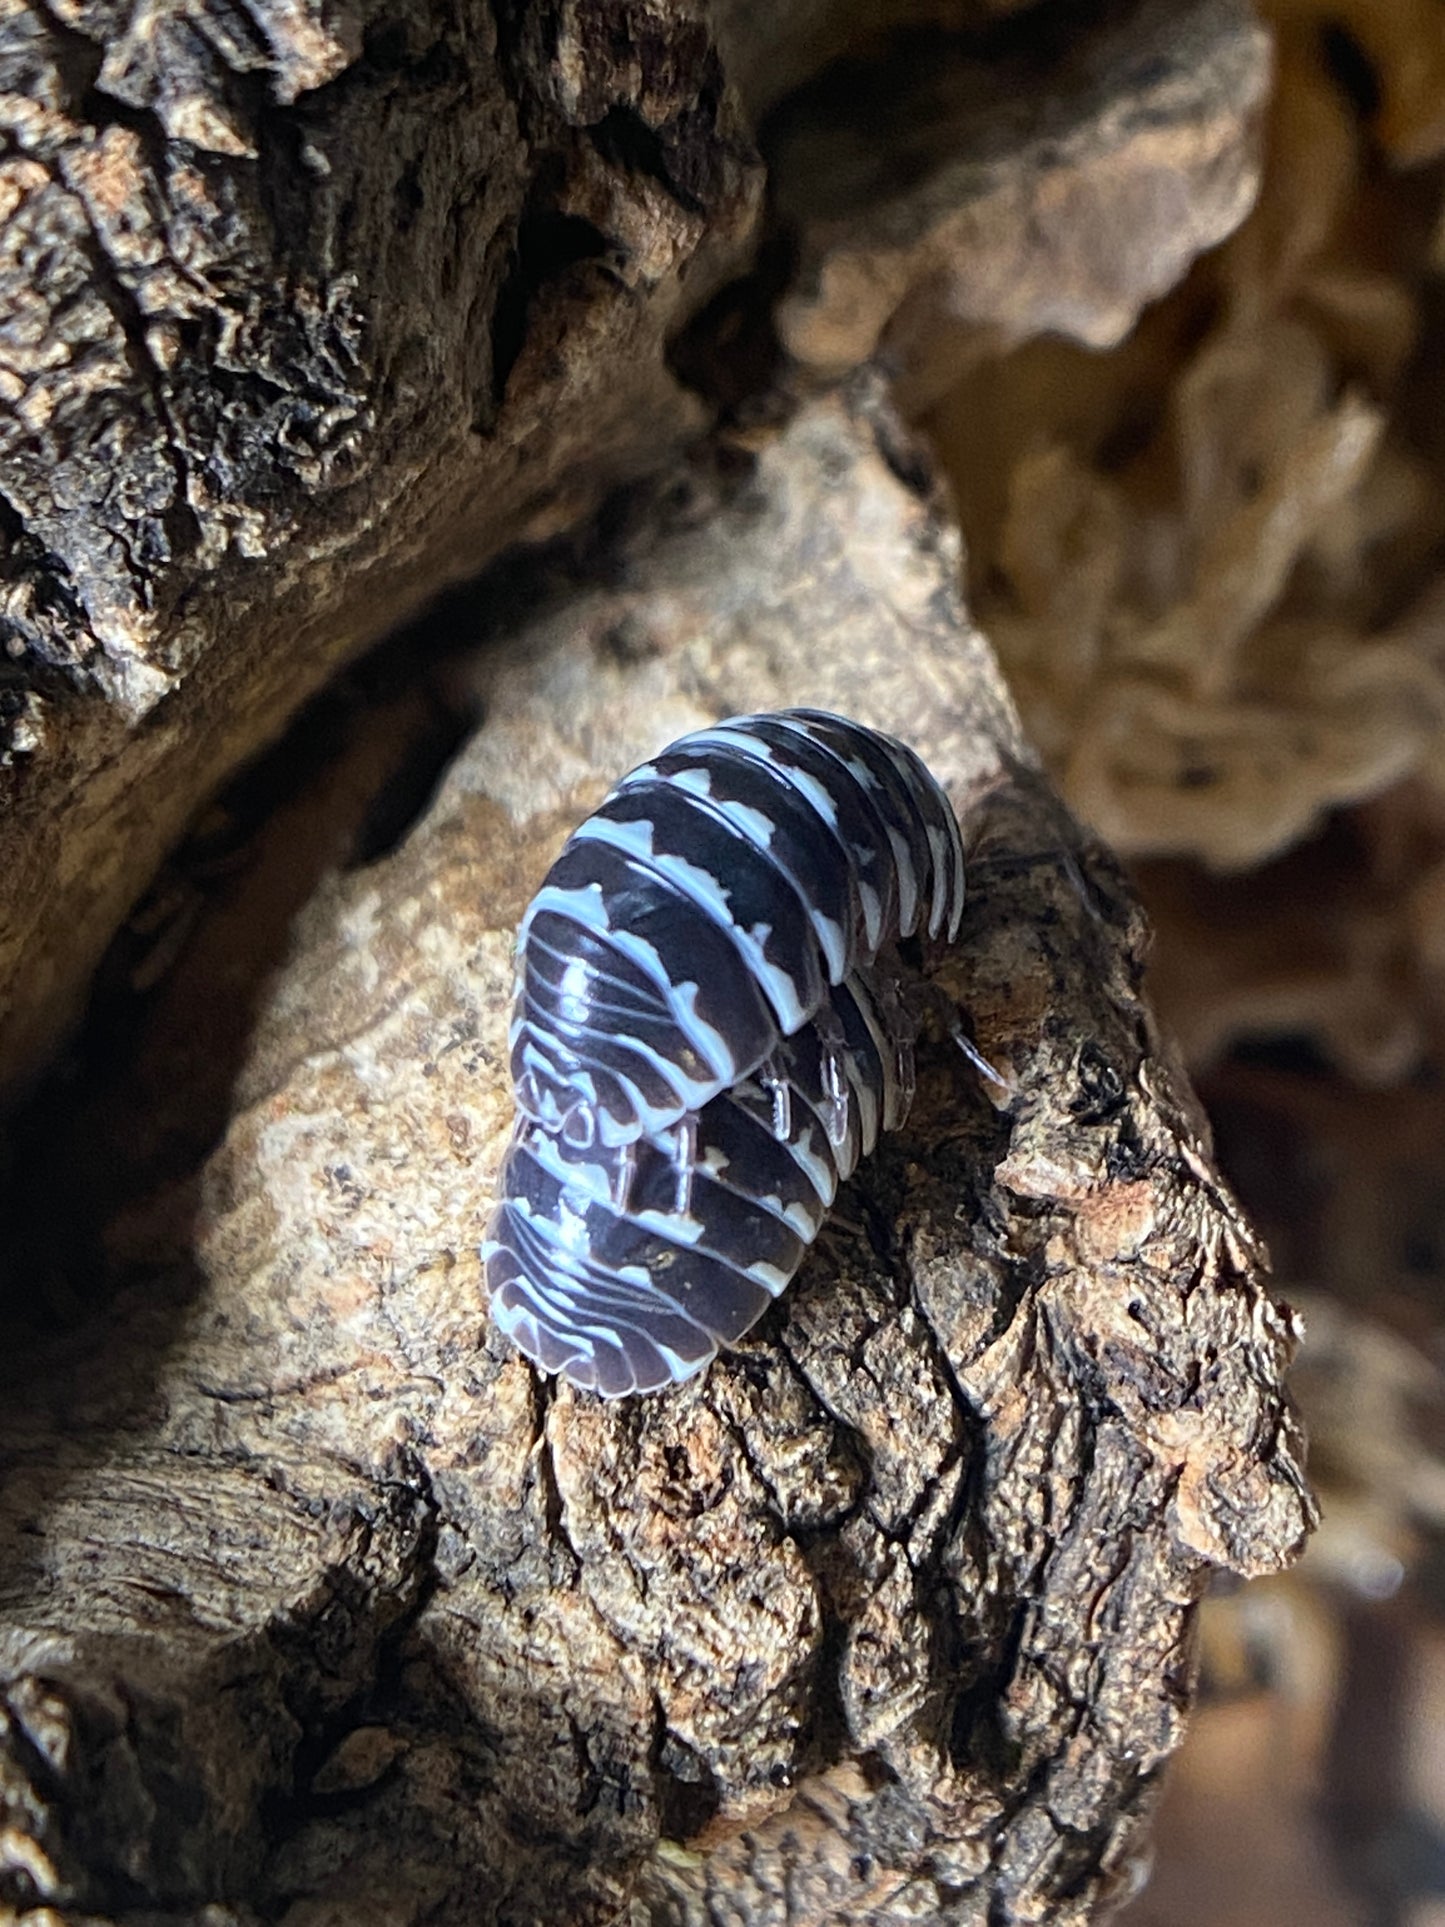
708,1035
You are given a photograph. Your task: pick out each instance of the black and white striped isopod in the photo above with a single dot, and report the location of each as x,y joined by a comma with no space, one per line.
708,1034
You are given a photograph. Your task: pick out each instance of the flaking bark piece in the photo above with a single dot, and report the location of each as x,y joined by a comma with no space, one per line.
887,1617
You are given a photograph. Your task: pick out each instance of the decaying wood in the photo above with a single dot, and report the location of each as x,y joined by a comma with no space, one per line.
317,1606
307,309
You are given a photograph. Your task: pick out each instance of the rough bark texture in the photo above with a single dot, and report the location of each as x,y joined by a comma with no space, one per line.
317,1606
307,309
286,296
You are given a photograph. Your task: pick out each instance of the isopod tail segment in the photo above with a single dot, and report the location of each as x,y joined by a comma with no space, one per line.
710,1031
626,1268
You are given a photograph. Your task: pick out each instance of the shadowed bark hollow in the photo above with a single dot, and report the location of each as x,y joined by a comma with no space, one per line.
318,1606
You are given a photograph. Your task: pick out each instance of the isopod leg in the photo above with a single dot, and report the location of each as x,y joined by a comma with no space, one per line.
974,1055
903,1030
684,1158
923,996
626,1172
835,1077
775,1083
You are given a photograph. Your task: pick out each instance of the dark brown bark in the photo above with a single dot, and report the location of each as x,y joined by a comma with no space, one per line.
319,1606
308,313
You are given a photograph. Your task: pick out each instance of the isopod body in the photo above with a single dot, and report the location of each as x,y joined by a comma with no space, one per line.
708,1034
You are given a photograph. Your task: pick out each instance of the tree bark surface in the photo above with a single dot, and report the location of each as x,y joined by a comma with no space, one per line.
317,1606
309,309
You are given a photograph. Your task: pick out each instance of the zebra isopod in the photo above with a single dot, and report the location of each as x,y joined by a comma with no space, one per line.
709,1032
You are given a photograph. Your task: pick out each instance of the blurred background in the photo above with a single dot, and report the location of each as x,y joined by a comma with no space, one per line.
1211,563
